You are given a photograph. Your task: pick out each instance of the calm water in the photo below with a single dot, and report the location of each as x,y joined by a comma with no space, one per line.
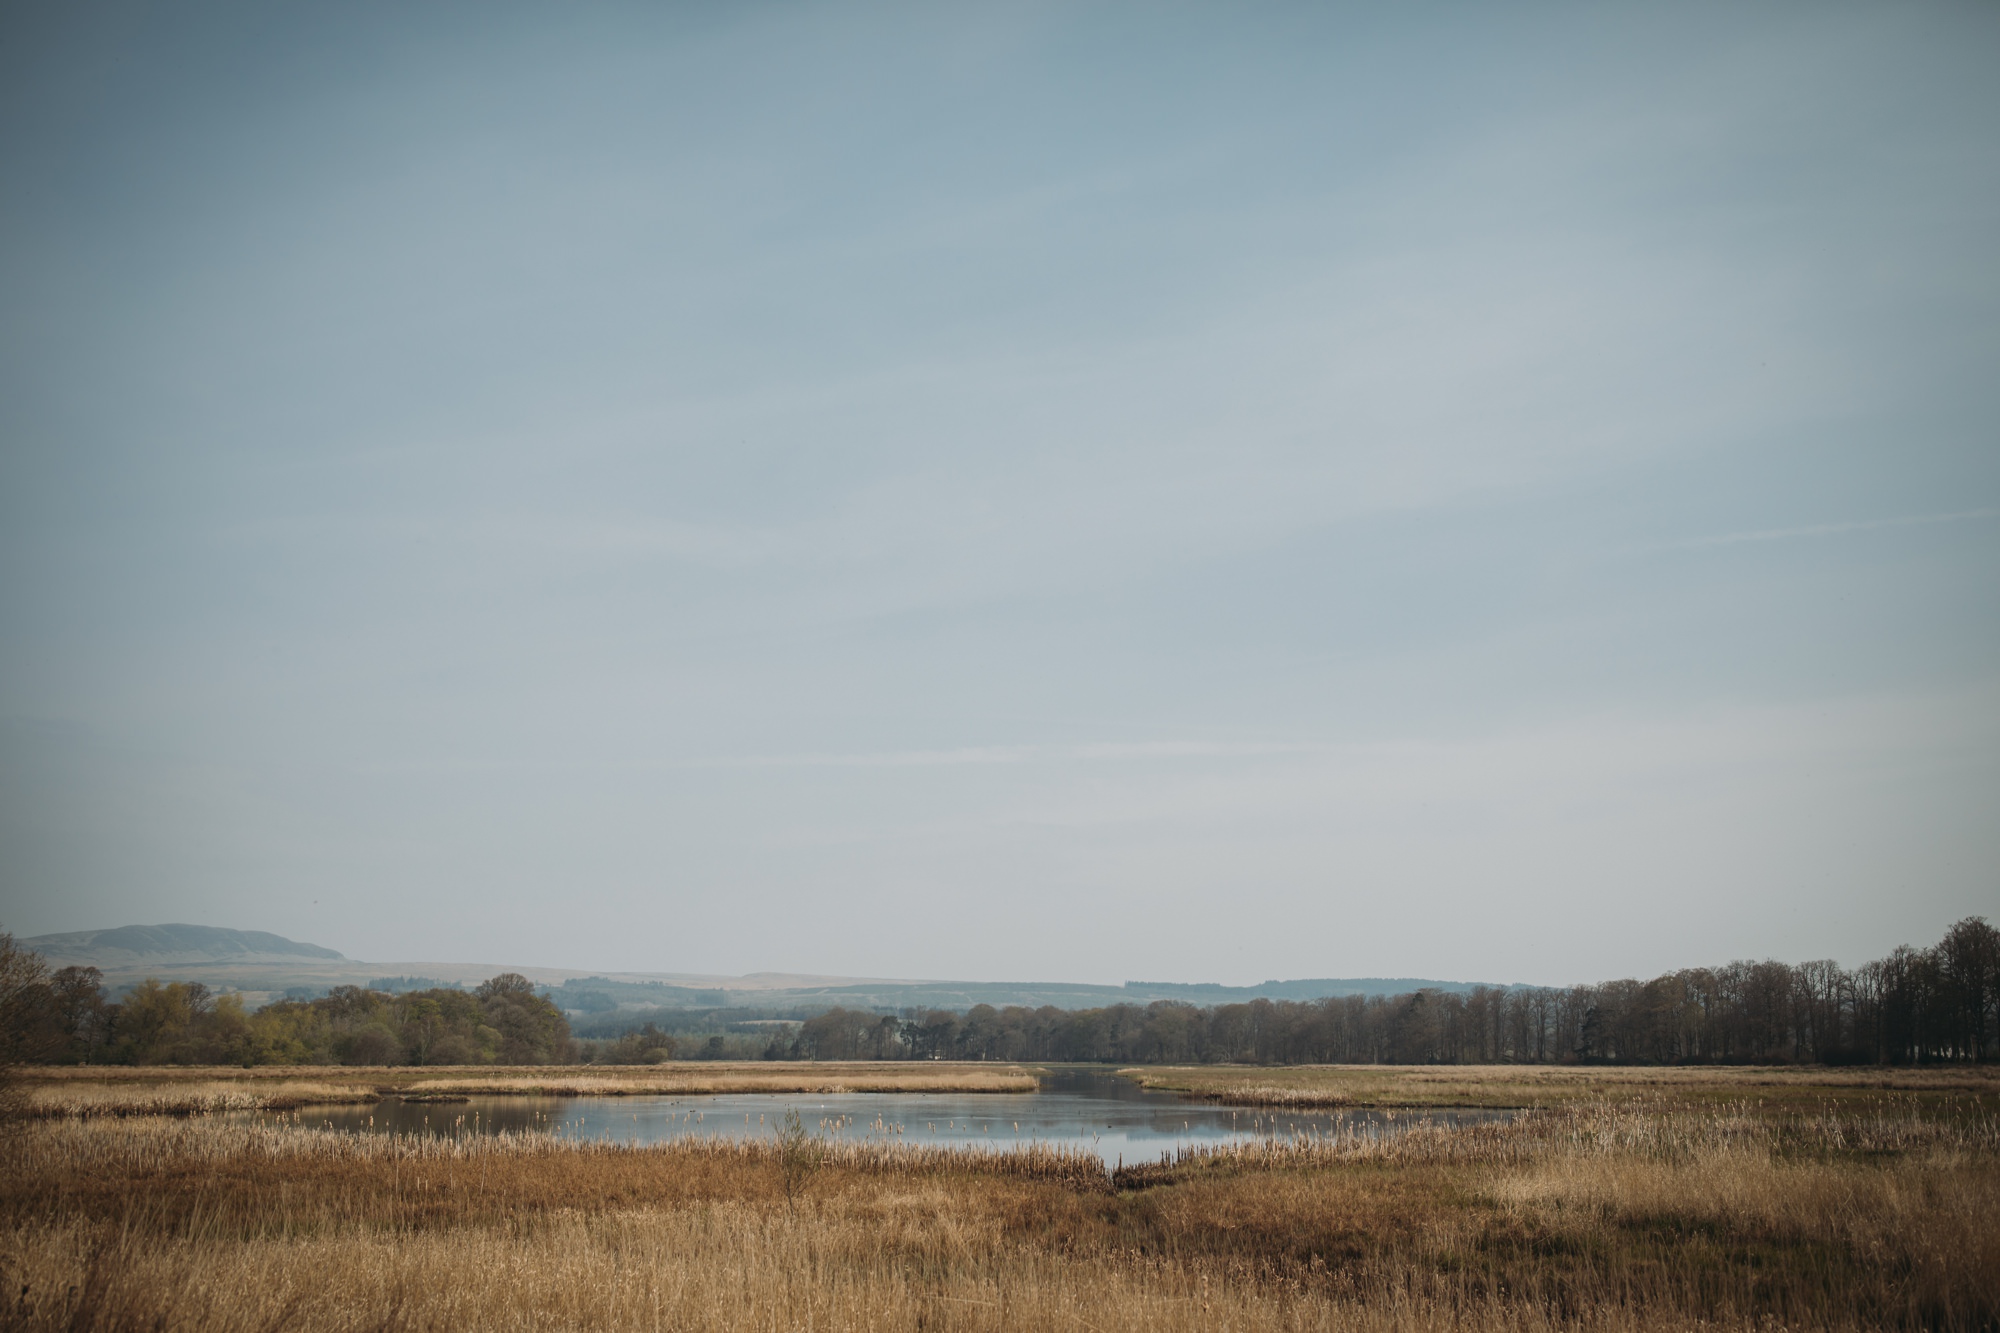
1089,1109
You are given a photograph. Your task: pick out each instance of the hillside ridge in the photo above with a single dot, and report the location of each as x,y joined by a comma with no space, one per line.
267,965
175,942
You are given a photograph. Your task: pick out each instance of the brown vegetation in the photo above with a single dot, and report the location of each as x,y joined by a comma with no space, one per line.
681,1080
1520,1086
165,1090
184,1096
1648,1212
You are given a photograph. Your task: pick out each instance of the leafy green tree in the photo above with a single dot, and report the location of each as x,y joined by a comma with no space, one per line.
532,1030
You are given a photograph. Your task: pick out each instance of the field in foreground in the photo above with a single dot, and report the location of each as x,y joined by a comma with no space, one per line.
1636,1212
1518,1086
92,1090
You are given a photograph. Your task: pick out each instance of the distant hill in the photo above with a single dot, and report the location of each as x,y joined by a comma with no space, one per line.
1317,988
603,999
264,966
153,946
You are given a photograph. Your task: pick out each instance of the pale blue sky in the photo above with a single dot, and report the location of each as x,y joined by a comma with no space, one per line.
1037,492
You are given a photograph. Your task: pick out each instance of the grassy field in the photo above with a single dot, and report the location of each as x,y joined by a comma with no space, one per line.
164,1090
1524,1086
1690,1205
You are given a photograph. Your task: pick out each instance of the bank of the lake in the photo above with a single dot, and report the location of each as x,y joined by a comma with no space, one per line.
88,1090
1953,1088
1627,1213
1083,1109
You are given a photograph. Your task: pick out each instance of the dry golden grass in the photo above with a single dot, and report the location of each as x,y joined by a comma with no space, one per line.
186,1096
832,1076
179,1090
1650,1214
1522,1086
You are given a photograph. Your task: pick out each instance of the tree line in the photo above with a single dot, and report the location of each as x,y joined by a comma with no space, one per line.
1915,1006
65,1018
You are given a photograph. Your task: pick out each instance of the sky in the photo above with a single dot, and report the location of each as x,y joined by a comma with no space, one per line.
1080,492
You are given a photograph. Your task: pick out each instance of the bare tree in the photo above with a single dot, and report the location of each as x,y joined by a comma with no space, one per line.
24,1000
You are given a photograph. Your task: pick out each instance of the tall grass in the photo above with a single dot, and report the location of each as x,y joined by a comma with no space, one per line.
185,1097
166,1090
834,1077
1628,1216
1304,1087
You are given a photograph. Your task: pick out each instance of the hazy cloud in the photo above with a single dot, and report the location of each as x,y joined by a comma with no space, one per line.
890,490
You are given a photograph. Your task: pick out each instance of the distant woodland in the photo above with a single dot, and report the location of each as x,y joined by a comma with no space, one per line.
65,1018
1914,1006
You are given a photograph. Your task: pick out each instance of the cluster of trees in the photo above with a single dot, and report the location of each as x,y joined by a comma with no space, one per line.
640,1046
1917,1005
65,1018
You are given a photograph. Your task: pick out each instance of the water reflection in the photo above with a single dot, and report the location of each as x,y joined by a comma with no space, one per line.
1079,1108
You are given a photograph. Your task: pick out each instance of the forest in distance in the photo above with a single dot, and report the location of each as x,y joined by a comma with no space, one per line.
1937,1004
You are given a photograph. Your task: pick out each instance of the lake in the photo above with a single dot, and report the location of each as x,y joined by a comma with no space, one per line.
1089,1109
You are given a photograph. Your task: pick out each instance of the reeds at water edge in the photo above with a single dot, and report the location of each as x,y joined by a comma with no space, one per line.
1651,1215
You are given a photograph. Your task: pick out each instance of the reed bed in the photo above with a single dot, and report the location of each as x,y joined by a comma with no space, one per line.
1624,1215
185,1097
158,1074
176,1091
1666,1132
707,1080
135,1152
756,1270
1310,1087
